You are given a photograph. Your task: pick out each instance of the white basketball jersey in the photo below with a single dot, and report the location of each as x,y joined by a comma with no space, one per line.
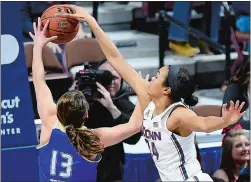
174,155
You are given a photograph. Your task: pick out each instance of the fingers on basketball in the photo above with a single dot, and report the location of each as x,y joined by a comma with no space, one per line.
64,27
46,26
51,38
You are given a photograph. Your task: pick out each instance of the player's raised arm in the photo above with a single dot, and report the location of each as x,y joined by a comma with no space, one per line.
193,122
114,57
45,105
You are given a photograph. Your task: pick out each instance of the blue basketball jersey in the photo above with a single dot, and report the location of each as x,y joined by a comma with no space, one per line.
59,161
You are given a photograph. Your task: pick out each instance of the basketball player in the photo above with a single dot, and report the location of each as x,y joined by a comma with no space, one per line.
68,151
169,124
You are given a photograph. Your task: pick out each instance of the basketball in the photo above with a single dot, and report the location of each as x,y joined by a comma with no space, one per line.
65,28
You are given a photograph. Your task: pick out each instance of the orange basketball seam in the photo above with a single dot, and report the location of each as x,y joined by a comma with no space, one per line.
60,31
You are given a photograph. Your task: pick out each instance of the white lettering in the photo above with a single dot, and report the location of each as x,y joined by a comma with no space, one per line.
53,180
3,119
10,119
10,131
10,103
7,118
18,131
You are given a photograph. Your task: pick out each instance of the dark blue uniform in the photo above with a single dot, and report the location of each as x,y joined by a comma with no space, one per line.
59,161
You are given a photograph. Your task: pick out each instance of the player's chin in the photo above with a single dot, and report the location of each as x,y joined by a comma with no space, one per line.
151,90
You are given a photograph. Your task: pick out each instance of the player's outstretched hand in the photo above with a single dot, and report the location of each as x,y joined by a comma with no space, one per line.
39,37
77,12
233,114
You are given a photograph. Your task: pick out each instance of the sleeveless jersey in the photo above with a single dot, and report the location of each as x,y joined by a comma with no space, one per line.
174,155
59,161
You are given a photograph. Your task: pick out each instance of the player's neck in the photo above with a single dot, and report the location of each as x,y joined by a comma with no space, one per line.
161,104
61,127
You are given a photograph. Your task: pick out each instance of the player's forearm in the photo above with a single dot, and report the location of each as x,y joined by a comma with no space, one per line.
213,123
136,119
38,73
114,56
107,46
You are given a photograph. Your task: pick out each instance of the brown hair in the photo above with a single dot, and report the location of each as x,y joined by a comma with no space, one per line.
72,109
227,162
242,75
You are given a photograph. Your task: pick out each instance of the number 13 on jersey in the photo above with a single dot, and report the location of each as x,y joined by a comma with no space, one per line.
152,149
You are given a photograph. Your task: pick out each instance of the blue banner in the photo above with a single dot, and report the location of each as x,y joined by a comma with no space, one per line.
18,131
17,117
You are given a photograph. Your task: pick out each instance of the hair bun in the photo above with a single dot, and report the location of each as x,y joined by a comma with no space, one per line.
191,100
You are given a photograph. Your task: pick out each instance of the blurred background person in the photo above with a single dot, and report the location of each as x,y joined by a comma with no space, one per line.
242,13
179,38
235,166
107,112
239,89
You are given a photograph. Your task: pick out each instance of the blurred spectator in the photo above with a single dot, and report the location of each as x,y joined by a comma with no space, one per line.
108,112
241,7
242,12
178,37
235,157
239,89
31,10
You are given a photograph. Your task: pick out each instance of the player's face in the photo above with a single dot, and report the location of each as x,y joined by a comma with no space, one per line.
156,87
114,87
240,148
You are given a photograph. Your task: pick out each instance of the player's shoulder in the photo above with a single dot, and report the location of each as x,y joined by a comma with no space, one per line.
180,111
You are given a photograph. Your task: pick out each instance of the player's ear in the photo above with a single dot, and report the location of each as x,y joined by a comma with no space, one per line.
167,91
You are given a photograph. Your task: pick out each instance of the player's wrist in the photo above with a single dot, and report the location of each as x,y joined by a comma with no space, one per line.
89,18
226,122
37,48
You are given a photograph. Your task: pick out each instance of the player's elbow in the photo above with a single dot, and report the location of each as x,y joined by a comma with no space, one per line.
136,128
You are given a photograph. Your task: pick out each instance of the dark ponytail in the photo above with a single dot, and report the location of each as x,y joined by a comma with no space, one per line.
85,142
182,85
191,100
